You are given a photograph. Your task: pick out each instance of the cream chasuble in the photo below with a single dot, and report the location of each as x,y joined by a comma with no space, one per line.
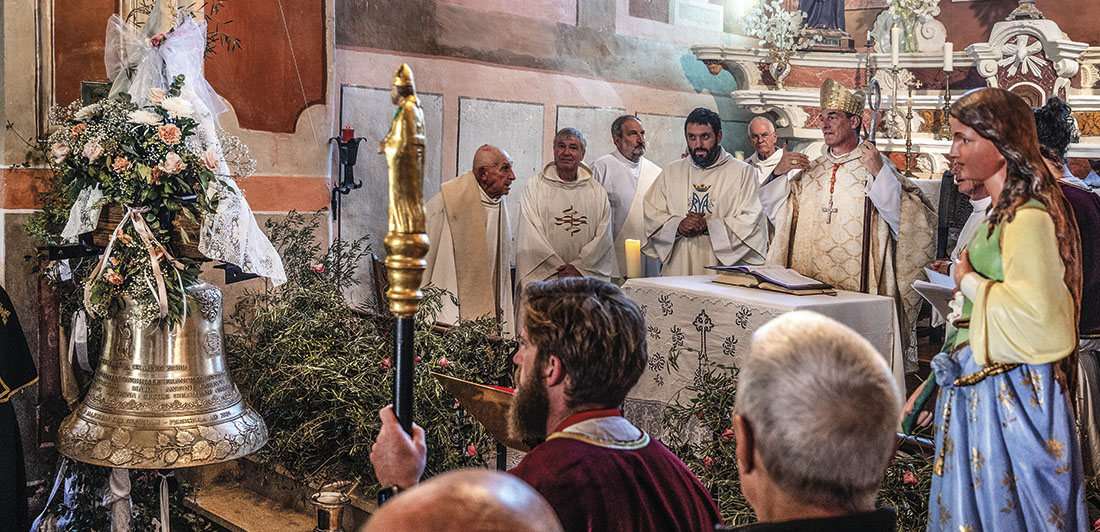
563,223
819,232
626,183
466,262
725,193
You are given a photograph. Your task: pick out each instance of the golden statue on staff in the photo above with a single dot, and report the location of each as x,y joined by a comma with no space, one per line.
406,242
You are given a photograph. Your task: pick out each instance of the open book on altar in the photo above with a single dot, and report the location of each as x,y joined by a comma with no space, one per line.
771,277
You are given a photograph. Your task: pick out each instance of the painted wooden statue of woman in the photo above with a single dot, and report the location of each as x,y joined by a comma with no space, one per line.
1007,455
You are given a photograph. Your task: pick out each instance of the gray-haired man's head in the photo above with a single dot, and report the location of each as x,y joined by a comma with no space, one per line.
816,415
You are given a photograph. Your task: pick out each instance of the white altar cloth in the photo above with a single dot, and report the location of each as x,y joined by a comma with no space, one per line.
716,323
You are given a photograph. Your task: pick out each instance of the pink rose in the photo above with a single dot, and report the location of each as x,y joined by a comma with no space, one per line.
59,152
113,277
708,462
93,150
908,478
157,40
444,362
120,164
173,164
169,134
210,159
727,435
157,95
385,364
77,130
317,268
471,450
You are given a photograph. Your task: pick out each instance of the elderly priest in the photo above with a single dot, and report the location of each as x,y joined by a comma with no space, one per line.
850,190
464,260
703,210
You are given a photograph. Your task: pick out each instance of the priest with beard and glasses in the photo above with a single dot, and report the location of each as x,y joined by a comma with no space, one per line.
703,210
581,348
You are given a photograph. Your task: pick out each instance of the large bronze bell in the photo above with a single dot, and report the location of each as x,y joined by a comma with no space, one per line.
163,398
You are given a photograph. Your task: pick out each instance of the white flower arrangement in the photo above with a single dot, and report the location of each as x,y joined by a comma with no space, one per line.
776,27
912,12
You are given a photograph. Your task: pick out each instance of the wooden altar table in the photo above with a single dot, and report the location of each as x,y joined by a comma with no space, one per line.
717,321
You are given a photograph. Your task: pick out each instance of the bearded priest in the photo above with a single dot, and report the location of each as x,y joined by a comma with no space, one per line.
821,217
703,210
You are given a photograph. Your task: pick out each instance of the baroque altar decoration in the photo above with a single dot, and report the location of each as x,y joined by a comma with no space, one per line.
781,30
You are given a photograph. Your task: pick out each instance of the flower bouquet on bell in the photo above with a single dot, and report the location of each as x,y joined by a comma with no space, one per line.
156,177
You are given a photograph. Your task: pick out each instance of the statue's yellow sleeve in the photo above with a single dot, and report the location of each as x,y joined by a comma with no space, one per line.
1029,317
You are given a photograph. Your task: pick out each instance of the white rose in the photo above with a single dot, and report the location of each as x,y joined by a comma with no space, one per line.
86,112
157,95
93,150
177,107
210,159
59,152
141,116
173,164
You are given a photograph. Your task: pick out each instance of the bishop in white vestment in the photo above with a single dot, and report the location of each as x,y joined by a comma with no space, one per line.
626,175
565,224
819,229
713,191
472,265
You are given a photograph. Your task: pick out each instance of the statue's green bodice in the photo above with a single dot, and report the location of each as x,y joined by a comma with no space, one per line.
985,258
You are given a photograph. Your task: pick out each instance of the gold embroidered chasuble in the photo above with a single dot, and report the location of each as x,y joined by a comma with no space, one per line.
823,239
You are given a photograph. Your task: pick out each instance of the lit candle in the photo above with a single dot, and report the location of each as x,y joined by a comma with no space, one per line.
347,133
633,258
948,57
895,44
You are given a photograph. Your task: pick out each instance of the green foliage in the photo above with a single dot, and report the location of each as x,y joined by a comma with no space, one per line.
319,371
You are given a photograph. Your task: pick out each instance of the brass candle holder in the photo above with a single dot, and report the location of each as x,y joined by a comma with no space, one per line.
945,127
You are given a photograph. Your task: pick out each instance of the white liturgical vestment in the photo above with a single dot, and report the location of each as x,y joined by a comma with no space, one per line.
626,183
466,262
563,222
764,169
725,193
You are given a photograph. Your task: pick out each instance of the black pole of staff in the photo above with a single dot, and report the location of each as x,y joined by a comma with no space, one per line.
403,371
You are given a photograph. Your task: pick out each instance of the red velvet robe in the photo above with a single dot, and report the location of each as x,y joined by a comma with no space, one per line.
597,485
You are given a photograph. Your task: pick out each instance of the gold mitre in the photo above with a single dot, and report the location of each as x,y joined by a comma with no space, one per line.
404,76
835,96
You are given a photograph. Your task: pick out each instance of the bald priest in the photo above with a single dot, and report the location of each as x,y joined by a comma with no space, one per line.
471,251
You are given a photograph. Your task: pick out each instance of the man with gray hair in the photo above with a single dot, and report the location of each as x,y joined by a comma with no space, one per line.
815,419
626,175
772,163
565,218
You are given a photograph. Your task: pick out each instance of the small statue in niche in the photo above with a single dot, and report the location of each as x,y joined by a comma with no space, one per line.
826,14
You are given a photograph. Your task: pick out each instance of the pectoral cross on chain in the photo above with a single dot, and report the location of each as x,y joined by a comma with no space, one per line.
829,210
